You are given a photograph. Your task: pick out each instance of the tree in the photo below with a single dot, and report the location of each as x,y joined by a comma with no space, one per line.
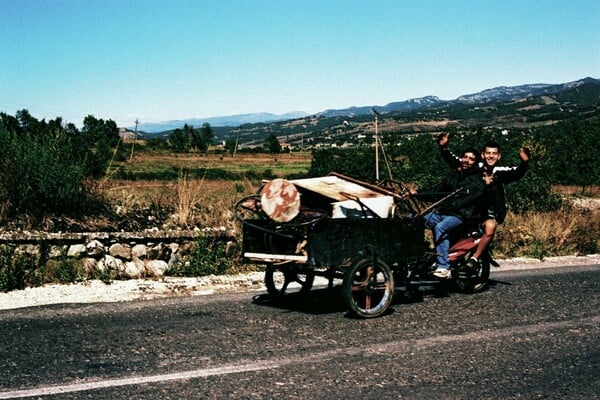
95,130
230,145
42,170
95,144
572,154
179,141
207,135
272,144
358,163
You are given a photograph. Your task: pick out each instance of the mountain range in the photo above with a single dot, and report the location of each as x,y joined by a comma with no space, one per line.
228,120
501,93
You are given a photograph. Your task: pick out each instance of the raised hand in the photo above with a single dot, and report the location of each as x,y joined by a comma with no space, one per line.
525,153
442,139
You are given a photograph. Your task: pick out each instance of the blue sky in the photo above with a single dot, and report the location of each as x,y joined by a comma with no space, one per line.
164,60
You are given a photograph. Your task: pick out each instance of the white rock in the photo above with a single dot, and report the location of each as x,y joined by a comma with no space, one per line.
134,269
139,252
76,251
110,263
122,251
95,248
156,268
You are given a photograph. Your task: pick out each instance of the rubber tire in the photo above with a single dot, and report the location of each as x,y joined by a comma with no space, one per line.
359,294
477,283
279,290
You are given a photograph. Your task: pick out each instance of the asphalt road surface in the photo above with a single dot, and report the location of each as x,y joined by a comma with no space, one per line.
533,334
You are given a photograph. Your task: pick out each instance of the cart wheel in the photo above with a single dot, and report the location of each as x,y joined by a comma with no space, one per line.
288,281
368,287
473,281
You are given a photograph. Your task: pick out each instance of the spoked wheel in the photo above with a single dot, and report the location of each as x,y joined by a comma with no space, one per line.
368,287
469,281
288,280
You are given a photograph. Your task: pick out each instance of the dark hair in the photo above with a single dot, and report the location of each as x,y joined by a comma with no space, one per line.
492,144
474,151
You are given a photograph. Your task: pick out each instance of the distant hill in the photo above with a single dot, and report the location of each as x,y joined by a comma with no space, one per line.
499,108
513,92
407,105
230,120
524,105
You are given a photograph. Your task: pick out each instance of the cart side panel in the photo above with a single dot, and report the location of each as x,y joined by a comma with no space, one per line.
338,242
261,236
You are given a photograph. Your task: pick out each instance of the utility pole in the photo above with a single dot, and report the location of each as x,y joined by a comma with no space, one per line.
134,139
376,150
237,138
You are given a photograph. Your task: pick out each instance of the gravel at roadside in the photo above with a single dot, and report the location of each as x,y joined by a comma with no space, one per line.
97,291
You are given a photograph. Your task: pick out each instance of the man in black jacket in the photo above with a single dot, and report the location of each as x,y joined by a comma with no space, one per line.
467,185
493,205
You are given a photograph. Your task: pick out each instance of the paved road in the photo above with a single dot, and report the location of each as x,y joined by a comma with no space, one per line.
533,334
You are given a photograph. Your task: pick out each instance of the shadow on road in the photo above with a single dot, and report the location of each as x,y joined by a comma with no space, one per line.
330,300
317,301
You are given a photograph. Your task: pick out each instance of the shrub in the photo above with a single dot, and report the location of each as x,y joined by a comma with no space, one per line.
417,160
561,232
357,163
188,195
207,258
12,269
63,270
44,166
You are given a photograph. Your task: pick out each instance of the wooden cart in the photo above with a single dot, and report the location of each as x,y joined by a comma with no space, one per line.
370,237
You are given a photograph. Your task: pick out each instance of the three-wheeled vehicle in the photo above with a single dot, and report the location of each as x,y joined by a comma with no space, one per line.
372,237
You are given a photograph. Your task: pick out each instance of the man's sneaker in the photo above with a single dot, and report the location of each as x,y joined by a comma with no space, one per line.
473,264
443,273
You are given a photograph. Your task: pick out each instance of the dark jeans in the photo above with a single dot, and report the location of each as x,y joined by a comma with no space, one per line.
441,225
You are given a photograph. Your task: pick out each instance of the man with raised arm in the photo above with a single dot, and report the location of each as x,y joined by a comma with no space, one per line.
466,188
493,204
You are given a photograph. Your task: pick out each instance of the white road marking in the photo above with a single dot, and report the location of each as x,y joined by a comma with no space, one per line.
251,366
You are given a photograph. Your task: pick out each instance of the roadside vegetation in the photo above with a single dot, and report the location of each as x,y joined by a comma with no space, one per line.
56,177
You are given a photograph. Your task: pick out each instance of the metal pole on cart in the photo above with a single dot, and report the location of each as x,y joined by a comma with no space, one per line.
376,146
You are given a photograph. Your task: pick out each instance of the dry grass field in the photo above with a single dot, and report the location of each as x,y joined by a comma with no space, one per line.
189,200
280,164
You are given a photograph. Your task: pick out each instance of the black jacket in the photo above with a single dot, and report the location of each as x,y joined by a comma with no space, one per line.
494,195
465,203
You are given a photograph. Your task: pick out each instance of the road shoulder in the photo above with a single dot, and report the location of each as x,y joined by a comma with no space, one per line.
138,289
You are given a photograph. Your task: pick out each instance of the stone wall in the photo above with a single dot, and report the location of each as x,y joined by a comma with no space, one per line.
123,254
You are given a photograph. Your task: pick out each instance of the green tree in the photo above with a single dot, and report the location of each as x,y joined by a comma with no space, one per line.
272,144
156,143
95,144
571,152
358,163
196,142
41,168
179,141
230,145
417,160
206,135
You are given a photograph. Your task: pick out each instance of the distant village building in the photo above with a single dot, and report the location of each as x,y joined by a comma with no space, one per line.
286,147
